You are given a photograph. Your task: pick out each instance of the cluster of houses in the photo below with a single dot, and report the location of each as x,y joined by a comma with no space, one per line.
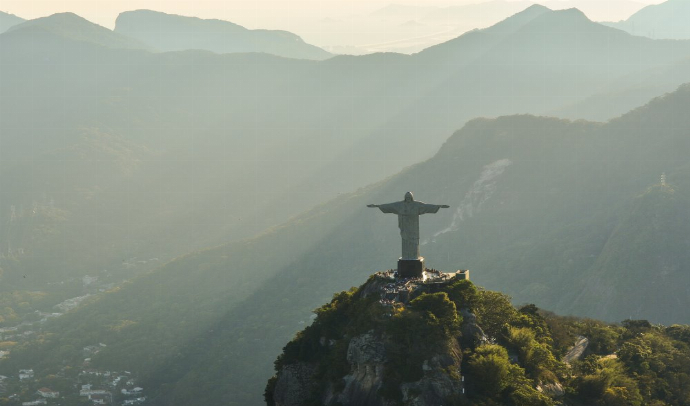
96,396
45,394
137,401
13,333
113,380
35,402
25,374
114,388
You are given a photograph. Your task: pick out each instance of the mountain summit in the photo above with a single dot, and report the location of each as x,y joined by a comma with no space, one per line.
75,28
170,32
440,340
9,20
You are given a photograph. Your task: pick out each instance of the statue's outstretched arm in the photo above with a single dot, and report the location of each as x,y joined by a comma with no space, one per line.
431,208
386,208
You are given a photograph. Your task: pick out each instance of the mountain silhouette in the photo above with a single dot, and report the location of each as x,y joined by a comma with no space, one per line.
70,26
8,20
665,20
169,32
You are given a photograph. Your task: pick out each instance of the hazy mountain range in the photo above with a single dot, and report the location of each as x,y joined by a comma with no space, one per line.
167,32
116,158
171,152
409,28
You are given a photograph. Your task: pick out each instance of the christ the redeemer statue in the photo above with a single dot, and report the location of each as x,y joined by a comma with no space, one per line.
408,211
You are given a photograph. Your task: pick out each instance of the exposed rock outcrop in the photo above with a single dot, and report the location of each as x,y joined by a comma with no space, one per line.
554,390
472,334
366,355
577,350
441,380
294,385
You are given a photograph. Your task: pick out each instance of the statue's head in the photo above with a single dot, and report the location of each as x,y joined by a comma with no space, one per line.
409,197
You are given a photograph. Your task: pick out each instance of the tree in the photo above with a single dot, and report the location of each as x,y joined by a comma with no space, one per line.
464,294
494,312
437,304
490,368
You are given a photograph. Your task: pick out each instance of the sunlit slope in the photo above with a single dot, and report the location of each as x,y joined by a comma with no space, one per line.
169,32
537,205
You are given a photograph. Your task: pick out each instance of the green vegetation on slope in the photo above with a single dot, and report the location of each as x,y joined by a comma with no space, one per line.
635,363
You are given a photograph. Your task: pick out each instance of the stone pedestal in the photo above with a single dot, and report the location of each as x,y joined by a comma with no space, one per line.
410,268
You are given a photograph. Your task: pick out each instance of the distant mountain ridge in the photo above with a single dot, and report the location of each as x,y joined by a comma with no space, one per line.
75,28
9,20
665,20
169,32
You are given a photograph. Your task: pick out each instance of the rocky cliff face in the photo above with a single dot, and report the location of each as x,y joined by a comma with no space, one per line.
295,384
366,356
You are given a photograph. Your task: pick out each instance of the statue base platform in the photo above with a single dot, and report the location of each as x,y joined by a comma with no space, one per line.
410,268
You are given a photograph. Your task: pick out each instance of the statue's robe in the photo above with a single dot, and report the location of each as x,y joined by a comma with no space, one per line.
408,222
